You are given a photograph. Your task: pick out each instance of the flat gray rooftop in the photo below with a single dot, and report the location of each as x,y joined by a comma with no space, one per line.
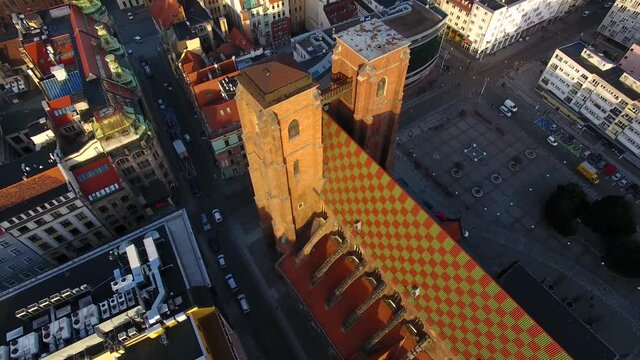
372,39
416,22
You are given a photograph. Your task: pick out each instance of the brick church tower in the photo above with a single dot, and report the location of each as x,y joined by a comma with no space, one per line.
281,116
375,58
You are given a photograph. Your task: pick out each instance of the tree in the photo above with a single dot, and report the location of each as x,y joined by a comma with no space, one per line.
623,256
611,217
564,206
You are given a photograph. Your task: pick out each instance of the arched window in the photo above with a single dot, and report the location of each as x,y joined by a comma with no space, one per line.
382,87
296,167
294,129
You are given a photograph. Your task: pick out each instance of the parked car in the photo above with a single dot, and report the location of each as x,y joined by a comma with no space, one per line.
195,189
137,39
552,141
608,5
222,261
244,304
187,138
586,13
147,70
623,183
510,105
233,286
129,51
161,104
616,177
505,111
585,154
130,15
206,225
217,215
553,127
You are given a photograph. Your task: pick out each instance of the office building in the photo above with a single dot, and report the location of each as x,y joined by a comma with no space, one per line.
621,23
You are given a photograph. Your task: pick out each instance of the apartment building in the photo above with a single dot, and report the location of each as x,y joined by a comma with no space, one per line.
40,208
8,7
266,21
91,99
622,24
591,89
486,26
213,89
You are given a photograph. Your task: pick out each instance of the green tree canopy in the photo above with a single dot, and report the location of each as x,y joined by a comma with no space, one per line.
611,217
563,206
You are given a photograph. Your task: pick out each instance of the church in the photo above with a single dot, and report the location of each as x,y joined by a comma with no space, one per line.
380,276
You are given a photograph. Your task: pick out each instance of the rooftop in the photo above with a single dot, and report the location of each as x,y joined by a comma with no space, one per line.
461,304
222,117
372,39
195,13
25,180
164,12
137,283
10,53
415,22
97,178
611,76
274,79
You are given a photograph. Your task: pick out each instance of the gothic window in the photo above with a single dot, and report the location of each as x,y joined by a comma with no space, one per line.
296,167
294,129
382,87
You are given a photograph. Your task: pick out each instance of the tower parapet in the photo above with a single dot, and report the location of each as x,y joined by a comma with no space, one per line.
119,74
107,41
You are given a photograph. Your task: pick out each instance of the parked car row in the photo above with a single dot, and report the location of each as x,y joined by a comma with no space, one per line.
215,214
231,281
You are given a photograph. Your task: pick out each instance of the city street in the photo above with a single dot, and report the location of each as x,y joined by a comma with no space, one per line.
456,125
266,332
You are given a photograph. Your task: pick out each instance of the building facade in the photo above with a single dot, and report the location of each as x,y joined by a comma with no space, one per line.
263,20
622,24
8,7
375,58
18,262
591,89
484,27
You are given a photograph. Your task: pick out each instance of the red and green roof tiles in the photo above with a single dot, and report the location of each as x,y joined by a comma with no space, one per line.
459,301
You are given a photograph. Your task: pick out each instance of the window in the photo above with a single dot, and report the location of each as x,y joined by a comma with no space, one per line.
294,129
15,251
34,238
28,260
82,216
144,163
23,229
56,214
50,231
99,235
40,221
4,244
72,207
12,267
26,275
296,167
10,283
382,87
40,268
45,247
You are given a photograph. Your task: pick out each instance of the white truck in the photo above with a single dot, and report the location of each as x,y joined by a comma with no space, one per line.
178,145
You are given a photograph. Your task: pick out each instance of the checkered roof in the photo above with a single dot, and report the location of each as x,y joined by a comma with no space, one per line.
459,300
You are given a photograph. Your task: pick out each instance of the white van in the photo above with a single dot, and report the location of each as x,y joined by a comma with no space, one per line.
510,105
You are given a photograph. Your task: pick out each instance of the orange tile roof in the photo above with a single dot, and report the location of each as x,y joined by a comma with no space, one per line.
92,56
461,303
215,71
239,39
31,187
348,343
220,116
81,22
164,12
191,62
59,111
270,76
